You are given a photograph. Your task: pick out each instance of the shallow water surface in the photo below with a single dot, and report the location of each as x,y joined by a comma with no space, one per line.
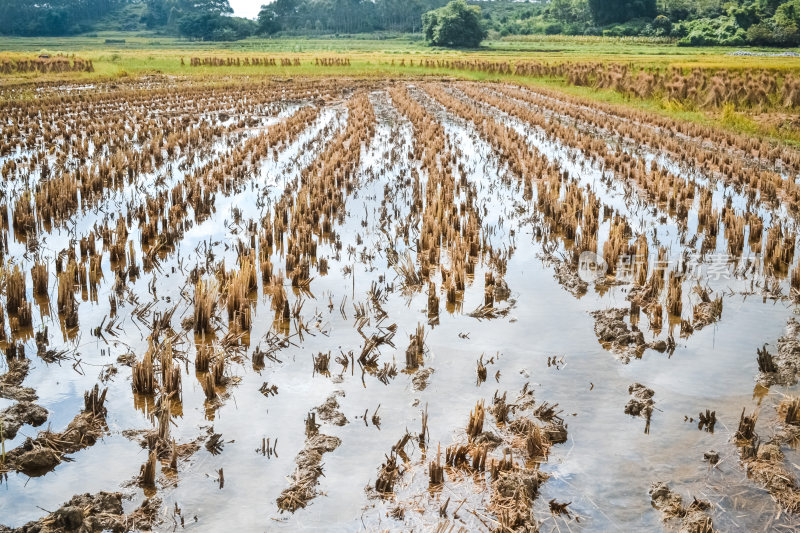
545,338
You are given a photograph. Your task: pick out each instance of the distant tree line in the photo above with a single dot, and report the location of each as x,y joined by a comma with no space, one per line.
690,22
344,16
197,19
53,17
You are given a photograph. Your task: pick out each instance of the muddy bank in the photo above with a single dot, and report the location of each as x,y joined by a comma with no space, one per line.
93,513
37,456
767,468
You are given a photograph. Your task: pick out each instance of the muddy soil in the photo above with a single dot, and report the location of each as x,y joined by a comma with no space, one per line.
421,378
309,466
781,366
612,331
692,518
21,413
39,455
495,465
765,460
329,411
93,513
11,382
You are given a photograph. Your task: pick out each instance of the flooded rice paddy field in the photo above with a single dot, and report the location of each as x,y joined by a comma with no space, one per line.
427,305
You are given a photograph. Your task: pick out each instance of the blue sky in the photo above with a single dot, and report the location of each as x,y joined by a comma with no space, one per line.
247,8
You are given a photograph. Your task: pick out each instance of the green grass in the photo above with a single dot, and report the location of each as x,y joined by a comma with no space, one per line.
144,41
533,46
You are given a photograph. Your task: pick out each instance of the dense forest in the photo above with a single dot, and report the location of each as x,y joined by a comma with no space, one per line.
200,19
54,17
345,16
689,22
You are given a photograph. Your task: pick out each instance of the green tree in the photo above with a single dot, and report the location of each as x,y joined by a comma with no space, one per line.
788,13
454,25
284,8
156,13
610,11
662,25
52,17
209,20
268,22
219,7
561,10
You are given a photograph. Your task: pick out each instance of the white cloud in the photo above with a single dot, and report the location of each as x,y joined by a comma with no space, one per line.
247,8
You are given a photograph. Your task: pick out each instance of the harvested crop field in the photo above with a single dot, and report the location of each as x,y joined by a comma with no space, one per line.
372,304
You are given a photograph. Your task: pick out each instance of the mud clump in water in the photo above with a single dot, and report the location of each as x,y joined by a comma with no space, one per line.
308,462
567,276
420,379
25,412
513,494
307,473
489,439
42,454
781,368
693,519
614,333
20,414
329,411
11,382
499,483
711,456
706,313
94,512
641,404
765,461
767,467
